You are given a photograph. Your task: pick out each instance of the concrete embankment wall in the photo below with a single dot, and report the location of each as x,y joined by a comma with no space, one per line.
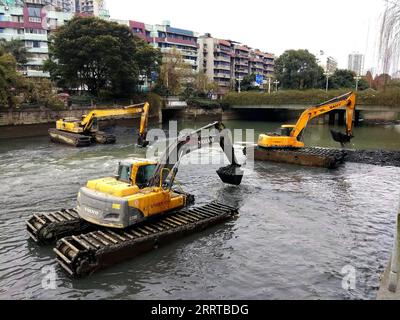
36,122
368,114
191,113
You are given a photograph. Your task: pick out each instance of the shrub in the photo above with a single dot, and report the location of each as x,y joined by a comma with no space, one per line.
203,103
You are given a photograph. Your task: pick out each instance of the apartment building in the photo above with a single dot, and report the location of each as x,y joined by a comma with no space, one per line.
356,63
215,60
92,7
33,20
225,61
328,63
165,37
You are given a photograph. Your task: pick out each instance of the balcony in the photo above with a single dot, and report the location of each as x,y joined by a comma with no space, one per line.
222,67
39,50
222,75
37,74
37,37
10,36
35,62
189,53
222,58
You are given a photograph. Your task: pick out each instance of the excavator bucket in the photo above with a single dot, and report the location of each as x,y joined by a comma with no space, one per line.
142,142
342,138
231,174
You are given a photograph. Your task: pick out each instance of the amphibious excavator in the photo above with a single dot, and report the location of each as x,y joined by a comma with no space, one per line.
287,146
135,210
82,133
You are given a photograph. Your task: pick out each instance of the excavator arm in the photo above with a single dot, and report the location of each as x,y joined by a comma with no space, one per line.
143,108
169,162
347,100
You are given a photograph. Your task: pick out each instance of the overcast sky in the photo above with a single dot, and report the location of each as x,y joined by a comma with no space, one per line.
338,27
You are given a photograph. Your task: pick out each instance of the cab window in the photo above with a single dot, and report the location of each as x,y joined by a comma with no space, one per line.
124,173
144,174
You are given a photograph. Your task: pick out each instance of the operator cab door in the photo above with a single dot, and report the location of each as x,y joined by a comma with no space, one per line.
156,202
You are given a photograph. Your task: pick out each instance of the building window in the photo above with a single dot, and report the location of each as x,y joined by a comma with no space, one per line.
36,44
15,18
34,12
1,16
1,30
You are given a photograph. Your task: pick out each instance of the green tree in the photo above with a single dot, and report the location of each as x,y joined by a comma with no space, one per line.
298,69
247,83
342,79
11,82
102,56
175,73
17,49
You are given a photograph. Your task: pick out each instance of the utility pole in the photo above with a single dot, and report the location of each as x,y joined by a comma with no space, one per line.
357,78
327,74
269,85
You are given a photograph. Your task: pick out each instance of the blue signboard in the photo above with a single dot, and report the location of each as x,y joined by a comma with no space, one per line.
154,76
259,79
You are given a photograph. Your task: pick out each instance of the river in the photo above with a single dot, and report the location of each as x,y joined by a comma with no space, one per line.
299,228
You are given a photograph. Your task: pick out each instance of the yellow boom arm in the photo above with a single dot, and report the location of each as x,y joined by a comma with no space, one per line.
347,100
143,108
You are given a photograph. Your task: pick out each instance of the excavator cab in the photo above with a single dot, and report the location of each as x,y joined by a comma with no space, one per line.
286,130
136,173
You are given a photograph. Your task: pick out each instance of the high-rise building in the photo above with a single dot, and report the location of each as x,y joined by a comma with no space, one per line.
356,63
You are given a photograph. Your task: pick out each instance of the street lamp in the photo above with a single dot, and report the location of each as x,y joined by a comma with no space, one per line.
357,78
239,80
327,74
276,82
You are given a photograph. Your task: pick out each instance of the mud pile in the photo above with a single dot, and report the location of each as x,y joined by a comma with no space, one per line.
375,157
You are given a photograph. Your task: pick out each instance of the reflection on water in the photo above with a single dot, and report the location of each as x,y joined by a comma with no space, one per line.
298,227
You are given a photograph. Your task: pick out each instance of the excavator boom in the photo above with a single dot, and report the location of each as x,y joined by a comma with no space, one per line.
168,165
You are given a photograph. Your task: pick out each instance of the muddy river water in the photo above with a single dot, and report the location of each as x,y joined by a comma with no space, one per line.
298,233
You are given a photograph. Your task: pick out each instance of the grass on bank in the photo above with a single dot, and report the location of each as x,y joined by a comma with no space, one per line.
389,97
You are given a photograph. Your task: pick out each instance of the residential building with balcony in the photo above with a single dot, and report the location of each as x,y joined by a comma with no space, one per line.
225,61
32,21
328,63
215,57
92,8
165,37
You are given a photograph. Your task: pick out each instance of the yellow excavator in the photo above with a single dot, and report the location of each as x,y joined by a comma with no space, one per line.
291,135
143,188
82,133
